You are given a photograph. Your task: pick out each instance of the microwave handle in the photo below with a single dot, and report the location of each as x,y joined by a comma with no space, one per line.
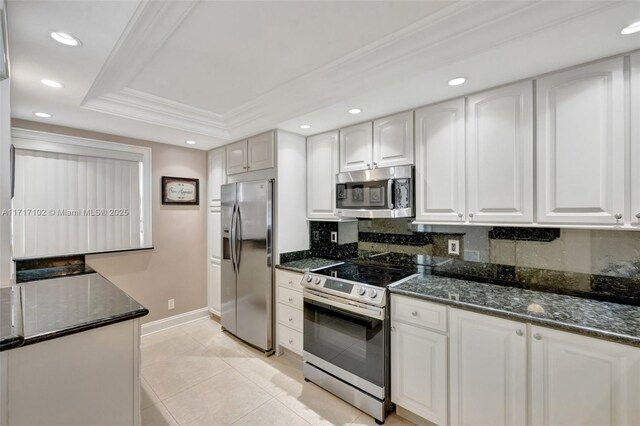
390,193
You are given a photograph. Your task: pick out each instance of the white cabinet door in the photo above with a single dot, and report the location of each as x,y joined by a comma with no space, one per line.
488,370
419,371
217,175
322,166
213,286
356,150
393,140
578,380
237,157
215,232
440,162
580,144
214,242
635,139
261,152
500,155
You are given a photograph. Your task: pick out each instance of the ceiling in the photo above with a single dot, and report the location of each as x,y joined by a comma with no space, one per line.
217,71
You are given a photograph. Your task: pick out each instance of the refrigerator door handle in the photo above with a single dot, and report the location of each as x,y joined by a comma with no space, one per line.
233,238
270,227
239,237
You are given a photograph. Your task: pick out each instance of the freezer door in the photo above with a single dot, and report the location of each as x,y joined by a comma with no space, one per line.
255,267
228,315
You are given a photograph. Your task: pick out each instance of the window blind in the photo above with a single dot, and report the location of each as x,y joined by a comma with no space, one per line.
66,204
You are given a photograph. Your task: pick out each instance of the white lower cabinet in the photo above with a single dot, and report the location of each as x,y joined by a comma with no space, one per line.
289,311
578,380
419,358
488,370
419,371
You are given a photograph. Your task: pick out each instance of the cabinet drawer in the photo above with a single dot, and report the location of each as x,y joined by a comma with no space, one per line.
290,297
290,338
291,317
418,312
289,279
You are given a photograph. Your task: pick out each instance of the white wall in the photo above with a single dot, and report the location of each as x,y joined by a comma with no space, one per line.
6,266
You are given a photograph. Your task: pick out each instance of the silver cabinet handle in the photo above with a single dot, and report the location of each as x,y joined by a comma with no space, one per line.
414,313
291,299
519,332
368,165
537,336
375,165
291,282
638,215
618,216
460,215
291,341
471,215
290,319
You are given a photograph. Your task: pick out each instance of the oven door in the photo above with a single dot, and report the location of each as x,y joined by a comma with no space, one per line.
346,341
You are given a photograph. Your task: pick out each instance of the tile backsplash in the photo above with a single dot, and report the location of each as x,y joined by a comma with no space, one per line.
593,263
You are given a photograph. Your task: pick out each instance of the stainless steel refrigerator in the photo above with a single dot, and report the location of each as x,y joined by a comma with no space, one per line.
247,262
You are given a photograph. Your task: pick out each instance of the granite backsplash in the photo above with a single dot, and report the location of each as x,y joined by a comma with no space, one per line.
597,264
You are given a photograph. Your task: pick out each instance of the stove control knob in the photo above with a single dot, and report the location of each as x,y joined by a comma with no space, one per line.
317,280
361,291
373,293
309,278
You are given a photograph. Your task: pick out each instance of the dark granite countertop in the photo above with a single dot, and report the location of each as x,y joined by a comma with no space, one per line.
52,272
10,318
57,307
605,320
308,264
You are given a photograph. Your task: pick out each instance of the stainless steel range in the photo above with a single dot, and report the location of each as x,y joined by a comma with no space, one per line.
346,333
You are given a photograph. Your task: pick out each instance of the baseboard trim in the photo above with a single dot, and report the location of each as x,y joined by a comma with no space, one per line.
174,321
214,313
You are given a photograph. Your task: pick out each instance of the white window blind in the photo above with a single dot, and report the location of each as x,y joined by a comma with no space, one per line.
65,203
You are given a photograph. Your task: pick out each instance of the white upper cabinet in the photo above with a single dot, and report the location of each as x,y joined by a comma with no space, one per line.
635,139
356,147
322,166
216,174
237,157
578,380
255,153
488,370
261,152
500,155
440,162
393,140
581,145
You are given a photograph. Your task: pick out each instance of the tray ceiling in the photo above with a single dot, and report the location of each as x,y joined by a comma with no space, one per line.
218,71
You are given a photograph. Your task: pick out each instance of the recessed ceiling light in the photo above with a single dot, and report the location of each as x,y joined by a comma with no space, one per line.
355,111
190,142
42,114
633,28
51,83
305,126
457,81
66,39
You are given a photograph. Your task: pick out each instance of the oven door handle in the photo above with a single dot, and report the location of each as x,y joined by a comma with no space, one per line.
367,311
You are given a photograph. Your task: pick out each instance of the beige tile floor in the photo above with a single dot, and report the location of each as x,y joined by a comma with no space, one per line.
196,374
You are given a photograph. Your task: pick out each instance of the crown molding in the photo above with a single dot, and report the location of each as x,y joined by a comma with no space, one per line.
133,104
460,30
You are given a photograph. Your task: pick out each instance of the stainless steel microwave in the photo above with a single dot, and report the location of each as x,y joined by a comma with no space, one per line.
376,193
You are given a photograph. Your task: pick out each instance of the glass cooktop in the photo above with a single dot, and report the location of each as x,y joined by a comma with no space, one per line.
380,276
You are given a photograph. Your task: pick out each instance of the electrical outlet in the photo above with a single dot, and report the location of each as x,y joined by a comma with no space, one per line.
334,237
171,304
454,247
316,235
